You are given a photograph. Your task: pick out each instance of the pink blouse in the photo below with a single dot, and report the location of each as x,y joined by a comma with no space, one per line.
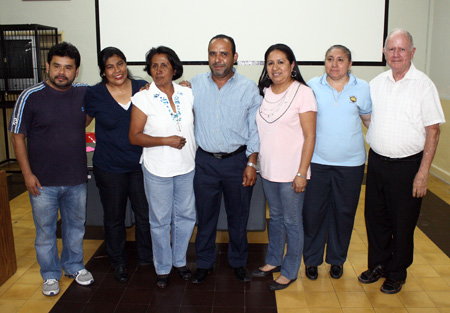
280,132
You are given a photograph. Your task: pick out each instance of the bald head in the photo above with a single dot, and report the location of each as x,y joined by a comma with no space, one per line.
399,51
403,32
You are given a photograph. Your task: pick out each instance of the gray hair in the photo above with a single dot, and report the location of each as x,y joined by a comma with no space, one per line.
403,31
346,51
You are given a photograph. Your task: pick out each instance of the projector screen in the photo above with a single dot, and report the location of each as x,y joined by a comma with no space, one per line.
308,27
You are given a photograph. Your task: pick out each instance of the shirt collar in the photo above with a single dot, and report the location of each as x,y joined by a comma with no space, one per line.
351,81
154,90
411,74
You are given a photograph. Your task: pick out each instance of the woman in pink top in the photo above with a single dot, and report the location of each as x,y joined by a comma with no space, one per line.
287,126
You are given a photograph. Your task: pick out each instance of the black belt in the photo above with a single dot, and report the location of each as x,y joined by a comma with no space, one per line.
408,158
221,155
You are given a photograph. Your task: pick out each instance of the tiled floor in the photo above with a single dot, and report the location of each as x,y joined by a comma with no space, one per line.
427,289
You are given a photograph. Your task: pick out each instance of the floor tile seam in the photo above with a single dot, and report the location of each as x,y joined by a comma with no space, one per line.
435,191
405,304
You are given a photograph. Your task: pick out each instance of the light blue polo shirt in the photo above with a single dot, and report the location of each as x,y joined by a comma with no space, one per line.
339,138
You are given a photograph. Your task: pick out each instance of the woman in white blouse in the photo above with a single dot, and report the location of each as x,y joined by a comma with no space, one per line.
162,122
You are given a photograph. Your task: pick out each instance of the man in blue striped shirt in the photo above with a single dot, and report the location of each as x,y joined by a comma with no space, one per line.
48,137
225,106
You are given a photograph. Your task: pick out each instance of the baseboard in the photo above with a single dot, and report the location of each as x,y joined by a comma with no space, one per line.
440,173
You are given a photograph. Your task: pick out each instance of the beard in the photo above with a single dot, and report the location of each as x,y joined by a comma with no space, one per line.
61,81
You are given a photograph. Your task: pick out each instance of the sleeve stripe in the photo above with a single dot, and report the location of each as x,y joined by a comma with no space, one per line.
16,118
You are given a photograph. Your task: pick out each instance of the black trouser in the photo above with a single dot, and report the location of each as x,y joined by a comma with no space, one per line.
212,178
331,201
115,189
391,212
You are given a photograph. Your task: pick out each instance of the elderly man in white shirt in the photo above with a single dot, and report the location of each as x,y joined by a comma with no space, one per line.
403,136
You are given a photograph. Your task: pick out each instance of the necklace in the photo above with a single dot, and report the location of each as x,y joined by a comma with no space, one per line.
267,115
112,87
334,97
176,116
280,100
339,86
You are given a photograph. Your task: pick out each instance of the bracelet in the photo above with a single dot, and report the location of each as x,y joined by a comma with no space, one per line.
300,175
252,165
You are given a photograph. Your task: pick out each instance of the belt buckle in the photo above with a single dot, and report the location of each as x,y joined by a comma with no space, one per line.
217,155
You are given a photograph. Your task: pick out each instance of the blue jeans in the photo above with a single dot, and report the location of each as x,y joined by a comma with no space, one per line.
114,190
285,226
172,214
71,201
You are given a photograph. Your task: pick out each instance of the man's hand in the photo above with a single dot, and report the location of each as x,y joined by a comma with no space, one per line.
249,177
33,185
421,179
420,185
185,83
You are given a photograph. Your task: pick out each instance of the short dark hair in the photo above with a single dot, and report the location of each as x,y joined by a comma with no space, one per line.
171,56
104,55
264,79
222,36
64,49
346,50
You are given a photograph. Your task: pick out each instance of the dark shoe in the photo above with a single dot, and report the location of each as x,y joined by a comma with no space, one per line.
260,273
372,274
120,273
311,272
184,272
200,275
276,286
391,286
242,274
162,281
336,271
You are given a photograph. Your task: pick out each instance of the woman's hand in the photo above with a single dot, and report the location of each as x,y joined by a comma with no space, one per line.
146,87
299,184
176,142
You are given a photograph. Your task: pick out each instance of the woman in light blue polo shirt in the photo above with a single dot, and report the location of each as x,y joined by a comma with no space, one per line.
337,166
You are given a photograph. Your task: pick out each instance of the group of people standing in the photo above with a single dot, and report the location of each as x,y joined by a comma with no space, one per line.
175,168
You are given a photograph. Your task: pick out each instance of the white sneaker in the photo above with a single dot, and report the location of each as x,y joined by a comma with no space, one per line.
84,277
50,287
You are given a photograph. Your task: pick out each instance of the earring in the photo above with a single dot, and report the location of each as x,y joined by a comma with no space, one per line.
293,73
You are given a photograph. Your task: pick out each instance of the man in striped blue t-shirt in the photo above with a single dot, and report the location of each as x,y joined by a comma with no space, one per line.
48,136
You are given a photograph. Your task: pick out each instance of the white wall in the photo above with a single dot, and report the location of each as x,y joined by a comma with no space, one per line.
439,64
427,20
76,20
440,48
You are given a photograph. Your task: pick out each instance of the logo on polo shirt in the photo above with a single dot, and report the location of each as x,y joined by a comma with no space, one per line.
353,99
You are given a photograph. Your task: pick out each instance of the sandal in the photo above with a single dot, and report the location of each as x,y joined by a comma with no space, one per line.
162,281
